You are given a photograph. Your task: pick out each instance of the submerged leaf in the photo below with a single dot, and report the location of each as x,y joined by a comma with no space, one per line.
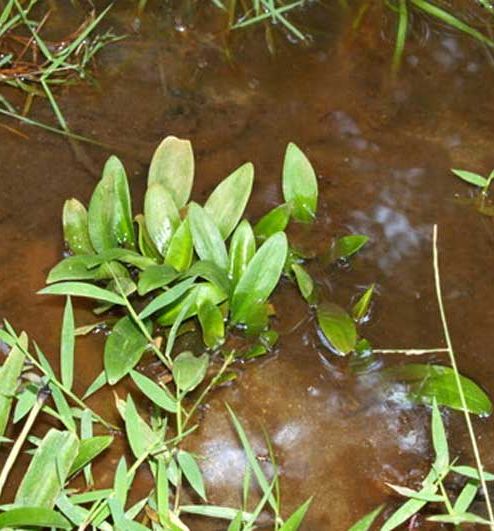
242,249
338,328
75,227
172,166
189,371
227,202
299,184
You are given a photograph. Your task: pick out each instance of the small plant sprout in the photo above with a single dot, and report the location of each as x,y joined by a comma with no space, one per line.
481,183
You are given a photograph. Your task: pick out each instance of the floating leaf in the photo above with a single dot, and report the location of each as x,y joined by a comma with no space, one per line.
365,523
436,381
212,323
192,472
33,517
295,520
337,327
347,246
242,249
208,242
260,277
75,227
155,277
167,298
81,289
123,349
157,394
471,178
299,184
361,307
10,373
304,282
89,449
161,215
275,220
48,470
181,249
172,166
189,371
228,200
67,345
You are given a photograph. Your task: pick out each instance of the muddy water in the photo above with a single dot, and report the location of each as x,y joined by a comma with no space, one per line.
382,150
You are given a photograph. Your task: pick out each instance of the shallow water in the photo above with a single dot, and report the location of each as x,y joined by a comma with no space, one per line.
382,149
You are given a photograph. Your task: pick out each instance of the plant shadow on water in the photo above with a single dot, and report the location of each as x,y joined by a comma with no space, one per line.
383,154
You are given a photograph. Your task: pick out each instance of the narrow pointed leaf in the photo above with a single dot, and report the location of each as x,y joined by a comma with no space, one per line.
181,248
157,394
304,282
347,246
361,307
122,209
365,523
295,520
242,249
471,178
192,472
275,220
25,517
81,289
89,449
67,345
337,327
439,441
75,227
141,438
167,298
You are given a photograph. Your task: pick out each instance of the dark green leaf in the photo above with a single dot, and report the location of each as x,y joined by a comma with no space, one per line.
295,520
167,298
242,249
365,523
172,166
347,246
472,178
123,349
299,184
260,277
181,249
33,517
337,327
89,449
156,393
275,220
154,277
67,346
75,227
81,289
304,282
192,472
212,324
228,201
189,371
208,242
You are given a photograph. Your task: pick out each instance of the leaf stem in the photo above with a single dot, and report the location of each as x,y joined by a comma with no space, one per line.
409,352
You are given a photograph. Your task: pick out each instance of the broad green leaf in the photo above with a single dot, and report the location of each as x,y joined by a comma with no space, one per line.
161,215
439,441
242,249
347,246
208,242
89,449
212,324
141,437
181,248
189,371
361,307
228,200
192,472
275,220
81,289
304,282
429,381
10,373
155,277
472,178
146,245
337,327
299,184
365,523
67,345
74,268
167,298
256,318
172,166
48,470
260,277
22,517
295,520
123,349
75,227
210,271
156,393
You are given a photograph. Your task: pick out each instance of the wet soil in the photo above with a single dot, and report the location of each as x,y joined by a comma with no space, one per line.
382,148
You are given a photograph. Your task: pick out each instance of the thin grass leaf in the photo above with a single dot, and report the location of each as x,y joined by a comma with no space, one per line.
157,394
295,520
89,449
140,436
167,298
470,472
67,345
162,493
466,497
439,441
81,289
365,523
215,511
99,382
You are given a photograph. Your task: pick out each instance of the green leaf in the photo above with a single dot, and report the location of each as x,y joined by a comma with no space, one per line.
10,373
210,271
98,383
155,277
295,520
365,523
242,249
189,371
161,215
458,519
228,200
157,394
472,178
74,268
466,497
212,324
67,345
236,523
439,441
122,209
81,289
304,282
123,349
192,472
208,242
141,437
276,220
181,249
361,307
472,473
75,227
429,381
167,298
127,256
299,184
260,277
146,245
48,470
337,327
423,495
33,517
89,449
172,166
347,246
215,511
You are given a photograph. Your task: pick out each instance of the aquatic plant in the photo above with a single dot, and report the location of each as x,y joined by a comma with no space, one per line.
482,184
